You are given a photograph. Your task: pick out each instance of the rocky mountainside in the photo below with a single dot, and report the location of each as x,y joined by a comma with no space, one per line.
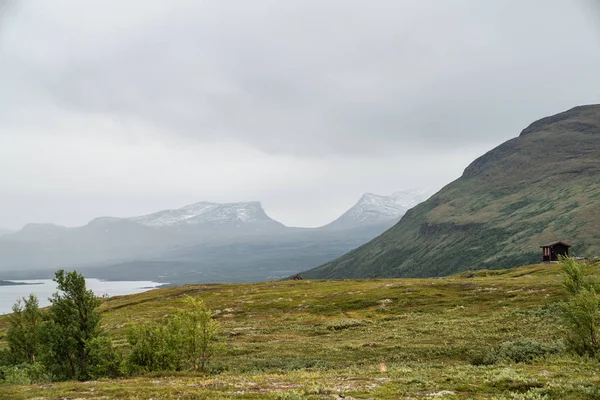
377,209
539,187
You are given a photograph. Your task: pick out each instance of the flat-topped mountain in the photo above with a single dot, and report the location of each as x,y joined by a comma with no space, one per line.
212,215
539,187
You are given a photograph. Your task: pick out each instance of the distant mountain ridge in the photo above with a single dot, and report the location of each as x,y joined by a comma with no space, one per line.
537,188
370,209
5,231
201,242
39,232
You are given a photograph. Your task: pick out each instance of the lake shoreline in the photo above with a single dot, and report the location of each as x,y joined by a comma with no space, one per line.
14,283
45,288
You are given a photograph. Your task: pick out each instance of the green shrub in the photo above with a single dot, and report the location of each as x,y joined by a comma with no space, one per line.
24,330
105,360
520,351
14,375
512,380
550,312
575,277
23,374
282,365
6,358
291,395
581,316
344,324
581,313
186,340
199,332
154,347
533,394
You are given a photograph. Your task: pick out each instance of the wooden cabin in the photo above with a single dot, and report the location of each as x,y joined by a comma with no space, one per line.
551,251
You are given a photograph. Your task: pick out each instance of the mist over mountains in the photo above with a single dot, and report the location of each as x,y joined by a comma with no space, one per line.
202,242
540,187
376,209
5,231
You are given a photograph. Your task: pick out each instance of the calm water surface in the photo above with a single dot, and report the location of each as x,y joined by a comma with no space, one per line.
44,288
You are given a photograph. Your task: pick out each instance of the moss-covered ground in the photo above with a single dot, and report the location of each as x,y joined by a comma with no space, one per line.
362,339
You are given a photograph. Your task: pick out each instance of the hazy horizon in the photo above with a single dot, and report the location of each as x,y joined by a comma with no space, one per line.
427,191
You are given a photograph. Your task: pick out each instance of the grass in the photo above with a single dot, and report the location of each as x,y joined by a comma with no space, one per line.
364,339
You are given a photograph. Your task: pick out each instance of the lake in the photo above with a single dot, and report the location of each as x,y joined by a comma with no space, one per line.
44,288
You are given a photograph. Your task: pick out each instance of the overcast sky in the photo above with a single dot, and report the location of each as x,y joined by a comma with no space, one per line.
126,107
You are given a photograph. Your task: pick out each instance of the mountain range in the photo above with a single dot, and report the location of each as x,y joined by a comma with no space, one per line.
539,187
202,242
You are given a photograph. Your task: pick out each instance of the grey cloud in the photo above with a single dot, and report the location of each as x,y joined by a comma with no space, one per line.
126,107
316,77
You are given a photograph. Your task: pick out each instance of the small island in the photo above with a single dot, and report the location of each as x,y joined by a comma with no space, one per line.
9,283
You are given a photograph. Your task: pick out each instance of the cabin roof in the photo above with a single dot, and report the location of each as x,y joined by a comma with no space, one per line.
555,243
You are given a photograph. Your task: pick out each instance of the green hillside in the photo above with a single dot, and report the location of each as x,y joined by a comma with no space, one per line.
363,339
539,187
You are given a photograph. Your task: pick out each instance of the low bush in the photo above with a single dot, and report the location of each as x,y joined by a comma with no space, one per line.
282,364
520,351
186,340
581,316
581,313
291,395
7,358
154,347
23,374
551,311
533,394
344,324
105,360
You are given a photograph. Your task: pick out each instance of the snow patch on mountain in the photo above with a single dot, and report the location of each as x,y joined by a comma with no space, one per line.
208,213
373,208
103,221
394,206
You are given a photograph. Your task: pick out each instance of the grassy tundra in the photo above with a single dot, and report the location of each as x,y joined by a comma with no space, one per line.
478,335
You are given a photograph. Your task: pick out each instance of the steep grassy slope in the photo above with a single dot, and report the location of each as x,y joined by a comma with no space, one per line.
365,339
539,187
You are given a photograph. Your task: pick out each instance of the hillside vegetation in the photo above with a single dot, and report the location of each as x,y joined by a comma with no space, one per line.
540,187
467,336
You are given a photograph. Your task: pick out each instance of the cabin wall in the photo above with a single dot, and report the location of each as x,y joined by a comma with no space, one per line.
559,250
546,254
554,252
